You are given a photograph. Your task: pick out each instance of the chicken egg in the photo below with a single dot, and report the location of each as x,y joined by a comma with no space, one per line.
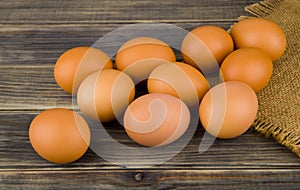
180,80
249,65
260,33
156,119
205,47
74,65
59,135
104,95
139,56
228,109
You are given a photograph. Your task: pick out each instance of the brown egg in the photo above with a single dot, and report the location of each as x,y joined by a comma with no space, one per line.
205,47
249,65
156,119
180,80
105,95
74,65
260,33
139,56
59,135
228,109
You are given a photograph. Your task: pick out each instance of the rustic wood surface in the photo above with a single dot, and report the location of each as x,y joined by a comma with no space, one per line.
32,36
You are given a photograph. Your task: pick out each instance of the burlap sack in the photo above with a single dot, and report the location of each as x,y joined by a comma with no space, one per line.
279,111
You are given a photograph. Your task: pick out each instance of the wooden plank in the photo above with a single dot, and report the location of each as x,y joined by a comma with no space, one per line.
249,151
30,44
153,179
30,88
116,11
33,88
32,36
28,39
28,55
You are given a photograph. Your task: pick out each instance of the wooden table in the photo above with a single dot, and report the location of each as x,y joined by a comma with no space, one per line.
32,36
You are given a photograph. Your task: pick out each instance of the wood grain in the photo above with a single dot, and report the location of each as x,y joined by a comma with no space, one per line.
30,44
119,11
34,32
153,179
250,151
30,88
32,36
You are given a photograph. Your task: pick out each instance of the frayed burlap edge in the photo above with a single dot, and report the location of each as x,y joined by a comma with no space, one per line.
286,133
263,8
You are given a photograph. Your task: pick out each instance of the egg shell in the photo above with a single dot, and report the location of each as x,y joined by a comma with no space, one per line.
74,65
205,47
260,33
228,109
105,95
249,65
180,80
156,119
59,135
139,56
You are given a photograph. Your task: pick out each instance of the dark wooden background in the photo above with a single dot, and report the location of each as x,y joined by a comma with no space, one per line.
32,36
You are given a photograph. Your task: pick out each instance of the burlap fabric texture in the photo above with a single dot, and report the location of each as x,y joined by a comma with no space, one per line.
279,103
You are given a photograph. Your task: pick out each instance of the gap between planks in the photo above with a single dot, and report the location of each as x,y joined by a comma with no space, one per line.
85,168
120,22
